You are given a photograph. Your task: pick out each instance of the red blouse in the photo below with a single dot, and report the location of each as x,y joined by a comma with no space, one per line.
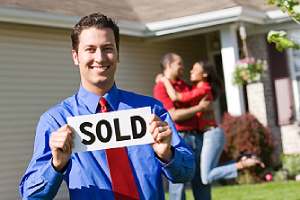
160,93
205,119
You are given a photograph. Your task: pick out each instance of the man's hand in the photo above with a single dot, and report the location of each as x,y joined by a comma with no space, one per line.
162,135
204,104
61,146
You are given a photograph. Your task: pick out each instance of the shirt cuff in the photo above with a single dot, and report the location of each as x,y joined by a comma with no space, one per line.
180,169
52,176
63,170
164,164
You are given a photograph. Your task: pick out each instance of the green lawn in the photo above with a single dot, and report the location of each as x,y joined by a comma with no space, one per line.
266,191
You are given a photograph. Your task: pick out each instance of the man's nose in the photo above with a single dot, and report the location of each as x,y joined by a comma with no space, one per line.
99,55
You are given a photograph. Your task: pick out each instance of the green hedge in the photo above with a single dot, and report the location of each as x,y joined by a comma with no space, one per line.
291,163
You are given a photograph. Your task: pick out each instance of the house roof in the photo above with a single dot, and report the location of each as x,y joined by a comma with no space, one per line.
137,17
133,10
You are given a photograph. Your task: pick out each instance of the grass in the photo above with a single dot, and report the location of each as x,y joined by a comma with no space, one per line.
267,191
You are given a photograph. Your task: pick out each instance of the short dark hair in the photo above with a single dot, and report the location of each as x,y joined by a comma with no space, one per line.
97,20
167,58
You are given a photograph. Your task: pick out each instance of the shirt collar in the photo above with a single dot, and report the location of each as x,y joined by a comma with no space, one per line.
176,81
91,100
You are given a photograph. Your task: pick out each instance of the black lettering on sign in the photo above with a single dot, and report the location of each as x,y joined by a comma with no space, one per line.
119,137
108,128
87,133
134,120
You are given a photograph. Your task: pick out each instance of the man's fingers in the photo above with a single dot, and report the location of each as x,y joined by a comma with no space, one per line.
57,144
62,139
155,129
152,127
155,134
156,123
162,135
63,128
65,146
154,118
159,129
161,132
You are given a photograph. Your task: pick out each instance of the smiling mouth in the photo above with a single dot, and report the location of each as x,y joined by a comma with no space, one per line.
100,68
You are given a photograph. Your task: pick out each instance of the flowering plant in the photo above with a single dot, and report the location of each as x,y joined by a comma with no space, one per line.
248,70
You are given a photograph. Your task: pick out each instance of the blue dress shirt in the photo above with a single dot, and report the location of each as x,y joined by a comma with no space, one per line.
87,174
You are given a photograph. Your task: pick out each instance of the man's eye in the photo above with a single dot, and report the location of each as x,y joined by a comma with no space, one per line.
91,50
108,49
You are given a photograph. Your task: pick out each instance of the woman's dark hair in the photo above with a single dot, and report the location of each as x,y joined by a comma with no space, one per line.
212,78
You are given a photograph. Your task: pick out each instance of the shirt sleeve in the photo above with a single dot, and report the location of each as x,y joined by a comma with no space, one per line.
40,180
195,93
181,168
160,93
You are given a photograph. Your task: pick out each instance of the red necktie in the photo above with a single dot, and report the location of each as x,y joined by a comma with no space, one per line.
123,183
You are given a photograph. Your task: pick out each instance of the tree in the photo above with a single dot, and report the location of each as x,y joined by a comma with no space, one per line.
292,8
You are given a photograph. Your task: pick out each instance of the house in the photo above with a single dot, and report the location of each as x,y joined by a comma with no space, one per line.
36,70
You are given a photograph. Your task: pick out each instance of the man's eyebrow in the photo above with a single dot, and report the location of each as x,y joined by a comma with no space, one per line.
108,44
89,45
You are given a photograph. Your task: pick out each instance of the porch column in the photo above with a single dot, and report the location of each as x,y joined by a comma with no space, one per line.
229,51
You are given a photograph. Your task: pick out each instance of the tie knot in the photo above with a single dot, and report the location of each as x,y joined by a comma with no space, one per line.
103,104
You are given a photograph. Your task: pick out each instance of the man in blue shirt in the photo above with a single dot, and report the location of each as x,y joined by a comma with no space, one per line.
95,48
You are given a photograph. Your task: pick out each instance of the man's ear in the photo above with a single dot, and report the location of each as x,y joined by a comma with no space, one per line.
75,57
168,65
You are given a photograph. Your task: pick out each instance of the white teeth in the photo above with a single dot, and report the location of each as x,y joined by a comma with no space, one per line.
101,68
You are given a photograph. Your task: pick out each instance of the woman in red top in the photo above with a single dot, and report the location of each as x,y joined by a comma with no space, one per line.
207,85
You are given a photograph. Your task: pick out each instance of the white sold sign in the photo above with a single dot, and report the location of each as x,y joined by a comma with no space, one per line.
111,129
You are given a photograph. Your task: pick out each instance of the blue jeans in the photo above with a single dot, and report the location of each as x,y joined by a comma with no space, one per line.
207,148
212,147
177,190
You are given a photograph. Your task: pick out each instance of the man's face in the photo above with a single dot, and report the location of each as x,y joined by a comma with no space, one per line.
97,58
176,66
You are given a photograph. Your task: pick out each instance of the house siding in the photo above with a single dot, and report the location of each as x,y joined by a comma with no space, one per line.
36,71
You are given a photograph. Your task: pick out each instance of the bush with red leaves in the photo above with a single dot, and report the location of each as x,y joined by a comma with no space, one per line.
245,134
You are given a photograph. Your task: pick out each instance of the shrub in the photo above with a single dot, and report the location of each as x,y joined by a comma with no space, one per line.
281,175
291,163
245,134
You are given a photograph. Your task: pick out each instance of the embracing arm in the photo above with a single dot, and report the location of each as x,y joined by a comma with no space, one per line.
187,96
175,96
180,114
187,113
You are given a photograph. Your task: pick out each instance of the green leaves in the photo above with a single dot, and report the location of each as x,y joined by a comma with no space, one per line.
281,41
291,7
